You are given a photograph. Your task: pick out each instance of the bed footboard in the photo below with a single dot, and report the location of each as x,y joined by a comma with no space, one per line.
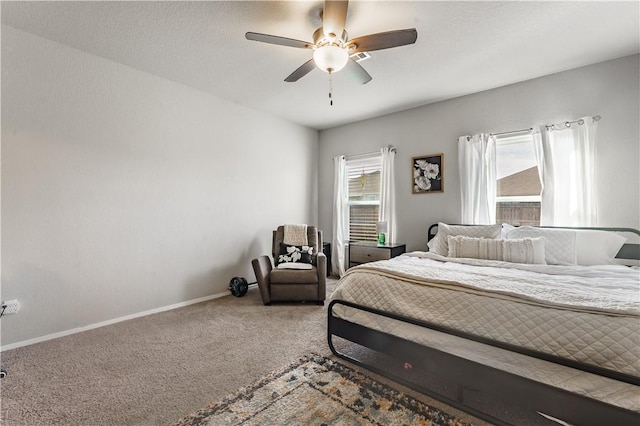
464,374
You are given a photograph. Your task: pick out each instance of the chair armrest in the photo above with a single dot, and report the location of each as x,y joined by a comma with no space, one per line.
321,266
262,268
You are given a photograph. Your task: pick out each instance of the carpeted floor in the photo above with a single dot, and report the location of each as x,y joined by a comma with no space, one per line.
156,369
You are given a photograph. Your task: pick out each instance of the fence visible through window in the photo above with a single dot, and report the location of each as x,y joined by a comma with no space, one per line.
518,213
518,182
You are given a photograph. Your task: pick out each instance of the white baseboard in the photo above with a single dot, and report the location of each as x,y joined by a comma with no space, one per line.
109,322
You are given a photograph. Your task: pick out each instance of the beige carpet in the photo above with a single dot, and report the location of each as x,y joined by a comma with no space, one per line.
157,369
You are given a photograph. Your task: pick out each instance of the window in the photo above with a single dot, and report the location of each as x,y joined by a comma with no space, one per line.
518,182
364,197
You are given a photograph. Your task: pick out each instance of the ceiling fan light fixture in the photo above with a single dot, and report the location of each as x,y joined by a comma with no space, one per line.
330,58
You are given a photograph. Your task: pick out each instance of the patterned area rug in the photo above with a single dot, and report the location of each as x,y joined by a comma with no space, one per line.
318,391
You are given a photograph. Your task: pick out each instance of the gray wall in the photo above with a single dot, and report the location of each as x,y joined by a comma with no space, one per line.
123,192
609,89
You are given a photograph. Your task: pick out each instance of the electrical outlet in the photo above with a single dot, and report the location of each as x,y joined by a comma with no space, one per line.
11,307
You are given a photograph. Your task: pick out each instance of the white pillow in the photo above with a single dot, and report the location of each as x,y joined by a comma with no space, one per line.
594,247
559,247
439,244
294,265
505,230
525,250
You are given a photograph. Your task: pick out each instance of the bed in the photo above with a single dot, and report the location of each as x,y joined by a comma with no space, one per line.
543,319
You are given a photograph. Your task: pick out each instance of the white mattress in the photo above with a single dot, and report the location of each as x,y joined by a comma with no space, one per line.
521,306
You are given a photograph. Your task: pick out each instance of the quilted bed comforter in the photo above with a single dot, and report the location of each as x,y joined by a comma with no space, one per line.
587,314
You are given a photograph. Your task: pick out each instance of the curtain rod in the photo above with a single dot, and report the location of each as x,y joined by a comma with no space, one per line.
569,123
367,154
529,130
548,127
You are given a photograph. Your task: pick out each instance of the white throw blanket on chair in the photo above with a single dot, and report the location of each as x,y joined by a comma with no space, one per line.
295,235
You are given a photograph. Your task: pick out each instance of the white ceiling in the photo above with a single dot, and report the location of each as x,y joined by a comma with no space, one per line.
462,47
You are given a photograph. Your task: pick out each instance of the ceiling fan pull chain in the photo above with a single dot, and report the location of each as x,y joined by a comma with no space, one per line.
330,90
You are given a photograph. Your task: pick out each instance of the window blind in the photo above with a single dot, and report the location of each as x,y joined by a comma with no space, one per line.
364,197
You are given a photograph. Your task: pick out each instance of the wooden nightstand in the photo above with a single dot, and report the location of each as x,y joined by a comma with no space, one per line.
368,251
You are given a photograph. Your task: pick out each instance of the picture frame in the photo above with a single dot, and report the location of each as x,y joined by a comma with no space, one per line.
427,173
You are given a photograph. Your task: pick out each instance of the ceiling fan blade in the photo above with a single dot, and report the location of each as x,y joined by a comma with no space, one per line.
355,70
303,70
334,18
282,41
384,40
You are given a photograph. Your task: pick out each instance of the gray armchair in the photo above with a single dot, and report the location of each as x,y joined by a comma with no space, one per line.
289,285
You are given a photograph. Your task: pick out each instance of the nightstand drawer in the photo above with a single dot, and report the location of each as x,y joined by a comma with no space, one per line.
363,254
368,251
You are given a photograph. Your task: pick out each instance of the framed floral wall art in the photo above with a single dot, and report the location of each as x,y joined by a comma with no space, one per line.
427,173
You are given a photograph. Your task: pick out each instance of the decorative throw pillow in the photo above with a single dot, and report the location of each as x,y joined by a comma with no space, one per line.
439,243
526,250
295,254
559,247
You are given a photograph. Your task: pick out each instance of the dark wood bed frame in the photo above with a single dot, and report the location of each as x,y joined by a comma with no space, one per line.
464,374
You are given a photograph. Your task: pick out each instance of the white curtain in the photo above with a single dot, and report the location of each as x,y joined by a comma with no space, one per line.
477,165
566,160
387,212
340,221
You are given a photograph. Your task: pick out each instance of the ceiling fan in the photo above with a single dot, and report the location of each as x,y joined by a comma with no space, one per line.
332,46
